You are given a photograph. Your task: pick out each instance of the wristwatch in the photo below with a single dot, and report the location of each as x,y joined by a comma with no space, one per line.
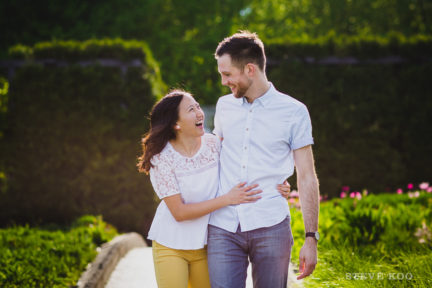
313,234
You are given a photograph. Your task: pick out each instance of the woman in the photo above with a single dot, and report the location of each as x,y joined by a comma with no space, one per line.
183,163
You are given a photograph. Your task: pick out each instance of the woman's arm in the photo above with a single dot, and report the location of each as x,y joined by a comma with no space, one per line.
237,195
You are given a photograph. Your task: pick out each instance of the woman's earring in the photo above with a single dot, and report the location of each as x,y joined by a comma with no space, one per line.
177,127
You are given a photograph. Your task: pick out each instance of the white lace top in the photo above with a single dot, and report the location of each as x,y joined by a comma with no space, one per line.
196,178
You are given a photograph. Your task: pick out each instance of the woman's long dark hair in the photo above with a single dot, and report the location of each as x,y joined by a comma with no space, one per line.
163,118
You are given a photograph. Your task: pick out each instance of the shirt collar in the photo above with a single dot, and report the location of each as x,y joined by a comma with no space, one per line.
265,99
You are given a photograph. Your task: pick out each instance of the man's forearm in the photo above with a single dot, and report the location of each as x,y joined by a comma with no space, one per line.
309,199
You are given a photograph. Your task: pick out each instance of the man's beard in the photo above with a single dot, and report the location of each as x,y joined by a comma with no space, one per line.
242,89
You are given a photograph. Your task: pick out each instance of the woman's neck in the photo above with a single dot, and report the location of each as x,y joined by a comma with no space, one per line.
186,146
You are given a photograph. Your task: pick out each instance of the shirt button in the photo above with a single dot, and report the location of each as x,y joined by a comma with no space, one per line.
250,111
244,167
245,148
247,129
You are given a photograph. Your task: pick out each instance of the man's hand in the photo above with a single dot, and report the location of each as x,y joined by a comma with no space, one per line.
308,258
284,189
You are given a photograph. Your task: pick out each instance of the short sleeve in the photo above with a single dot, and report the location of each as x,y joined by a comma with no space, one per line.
217,123
301,133
163,178
214,143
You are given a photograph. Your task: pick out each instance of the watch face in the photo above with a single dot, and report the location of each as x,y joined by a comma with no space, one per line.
317,236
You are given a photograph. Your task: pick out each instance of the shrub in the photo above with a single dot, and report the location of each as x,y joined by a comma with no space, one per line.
51,256
379,234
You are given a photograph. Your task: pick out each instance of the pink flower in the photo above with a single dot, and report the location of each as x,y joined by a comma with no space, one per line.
292,200
410,186
294,194
321,198
343,195
352,194
345,188
399,191
424,186
413,194
358,195
429,190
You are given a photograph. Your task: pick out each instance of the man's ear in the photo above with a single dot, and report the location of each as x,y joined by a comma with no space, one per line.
250,69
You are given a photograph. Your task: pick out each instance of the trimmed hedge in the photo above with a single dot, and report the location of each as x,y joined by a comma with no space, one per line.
93,49
73,138
369,121
50,256
4,91
414,47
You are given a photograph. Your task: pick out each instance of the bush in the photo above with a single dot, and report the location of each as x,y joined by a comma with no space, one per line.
378,234
51,256
73,138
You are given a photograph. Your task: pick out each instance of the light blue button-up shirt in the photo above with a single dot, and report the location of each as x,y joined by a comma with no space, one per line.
257,148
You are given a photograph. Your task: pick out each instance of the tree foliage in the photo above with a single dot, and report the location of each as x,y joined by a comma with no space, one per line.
309,19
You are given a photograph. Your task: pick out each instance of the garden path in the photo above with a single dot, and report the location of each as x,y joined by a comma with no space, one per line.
136,270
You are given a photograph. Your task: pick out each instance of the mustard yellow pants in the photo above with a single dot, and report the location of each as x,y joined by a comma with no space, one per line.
180,268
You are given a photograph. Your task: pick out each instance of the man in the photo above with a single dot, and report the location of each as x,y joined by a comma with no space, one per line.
263,132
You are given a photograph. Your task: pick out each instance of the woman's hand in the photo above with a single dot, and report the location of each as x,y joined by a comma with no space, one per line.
284,189
240,194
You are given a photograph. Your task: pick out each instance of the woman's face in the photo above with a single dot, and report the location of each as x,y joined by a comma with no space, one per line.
191,118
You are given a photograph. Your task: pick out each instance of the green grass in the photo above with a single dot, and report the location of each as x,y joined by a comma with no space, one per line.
50,257
378,241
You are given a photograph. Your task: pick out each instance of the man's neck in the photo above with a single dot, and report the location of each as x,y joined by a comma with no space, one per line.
259,87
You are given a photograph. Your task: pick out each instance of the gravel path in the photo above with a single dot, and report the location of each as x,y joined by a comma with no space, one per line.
136,270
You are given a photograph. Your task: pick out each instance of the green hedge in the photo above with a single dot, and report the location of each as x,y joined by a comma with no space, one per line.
4,91
50,256
360,46
93,49
73,138
369,121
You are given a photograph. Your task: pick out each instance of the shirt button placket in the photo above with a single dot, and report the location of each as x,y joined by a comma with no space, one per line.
246,143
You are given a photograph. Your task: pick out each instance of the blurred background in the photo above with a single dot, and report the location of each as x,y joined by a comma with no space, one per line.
78,78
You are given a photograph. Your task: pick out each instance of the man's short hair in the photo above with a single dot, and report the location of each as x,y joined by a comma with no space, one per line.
244,47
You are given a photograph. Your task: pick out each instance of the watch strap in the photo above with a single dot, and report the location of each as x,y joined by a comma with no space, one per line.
315,235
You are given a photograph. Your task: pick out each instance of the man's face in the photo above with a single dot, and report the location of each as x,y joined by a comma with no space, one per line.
233,77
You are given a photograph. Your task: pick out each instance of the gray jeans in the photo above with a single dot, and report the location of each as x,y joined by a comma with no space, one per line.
269,251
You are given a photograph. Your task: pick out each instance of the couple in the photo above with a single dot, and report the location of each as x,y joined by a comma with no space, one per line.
260,135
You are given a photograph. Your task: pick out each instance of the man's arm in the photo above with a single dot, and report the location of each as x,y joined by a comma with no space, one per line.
307,184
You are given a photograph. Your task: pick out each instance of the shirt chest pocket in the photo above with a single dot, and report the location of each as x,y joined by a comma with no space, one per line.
270,135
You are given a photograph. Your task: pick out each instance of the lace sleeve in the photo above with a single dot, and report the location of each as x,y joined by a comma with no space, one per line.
163,178
214,143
